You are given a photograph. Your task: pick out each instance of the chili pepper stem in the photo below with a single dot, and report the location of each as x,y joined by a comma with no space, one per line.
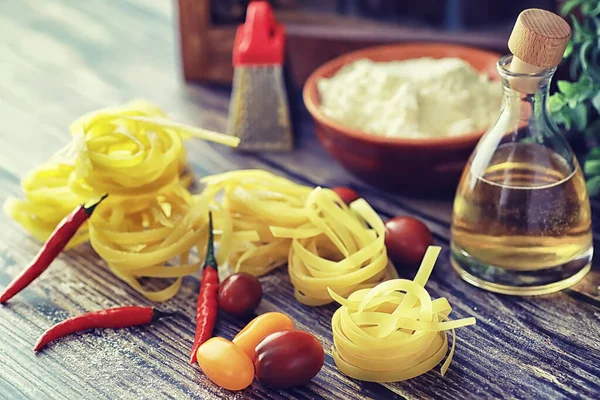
90,209
158,314
210,259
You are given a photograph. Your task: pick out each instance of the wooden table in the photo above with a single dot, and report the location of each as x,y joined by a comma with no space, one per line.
62,58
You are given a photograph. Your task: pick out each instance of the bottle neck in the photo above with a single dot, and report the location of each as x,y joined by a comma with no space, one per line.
525,93
524,118
526,98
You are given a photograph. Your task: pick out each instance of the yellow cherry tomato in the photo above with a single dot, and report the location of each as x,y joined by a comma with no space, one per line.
259,328
225,364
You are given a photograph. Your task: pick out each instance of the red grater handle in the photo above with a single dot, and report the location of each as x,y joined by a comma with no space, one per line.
260,40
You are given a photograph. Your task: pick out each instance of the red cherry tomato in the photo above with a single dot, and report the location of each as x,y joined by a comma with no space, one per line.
240,294
288,359
407,239
346,194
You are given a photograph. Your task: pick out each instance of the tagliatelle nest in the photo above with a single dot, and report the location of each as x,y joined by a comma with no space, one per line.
136,155
394,331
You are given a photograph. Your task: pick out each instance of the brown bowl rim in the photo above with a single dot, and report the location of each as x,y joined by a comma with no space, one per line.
335,64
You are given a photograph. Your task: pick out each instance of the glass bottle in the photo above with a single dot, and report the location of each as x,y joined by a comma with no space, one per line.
521,218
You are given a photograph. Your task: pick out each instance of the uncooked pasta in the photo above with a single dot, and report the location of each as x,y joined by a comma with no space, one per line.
394,331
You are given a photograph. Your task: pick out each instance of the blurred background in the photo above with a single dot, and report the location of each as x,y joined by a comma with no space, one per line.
487,16
319,30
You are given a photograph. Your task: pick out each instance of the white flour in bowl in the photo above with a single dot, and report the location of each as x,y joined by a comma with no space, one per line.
416,98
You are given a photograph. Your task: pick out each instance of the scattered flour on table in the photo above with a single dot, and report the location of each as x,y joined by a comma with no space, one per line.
416,98
116,363
537,371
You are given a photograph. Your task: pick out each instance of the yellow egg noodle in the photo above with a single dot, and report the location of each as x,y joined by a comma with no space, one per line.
150,220
324,242
394,331
254,200
338,247
136,155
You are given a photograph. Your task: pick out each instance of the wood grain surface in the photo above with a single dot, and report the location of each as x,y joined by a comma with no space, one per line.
62,58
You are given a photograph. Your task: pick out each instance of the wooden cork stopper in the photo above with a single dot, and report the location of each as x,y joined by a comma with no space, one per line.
539,38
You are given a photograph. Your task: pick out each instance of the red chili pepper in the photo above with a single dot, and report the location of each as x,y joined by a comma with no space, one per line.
118,317
57,241
208,306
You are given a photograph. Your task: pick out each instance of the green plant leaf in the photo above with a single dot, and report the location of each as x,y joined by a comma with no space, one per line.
568,50
589,10
586,31
586,7
594,154
574,67
569,5
583,89
579,105
572,102
585,82
594,68
596,21
593,186
569,89
564,117
577,31
596,102
591,167
582,54
557,101
579,116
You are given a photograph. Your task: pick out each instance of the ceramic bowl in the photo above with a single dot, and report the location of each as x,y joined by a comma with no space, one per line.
428,166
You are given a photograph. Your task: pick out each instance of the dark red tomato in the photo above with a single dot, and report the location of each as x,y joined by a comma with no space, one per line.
288,359
346,194
240,294
407,239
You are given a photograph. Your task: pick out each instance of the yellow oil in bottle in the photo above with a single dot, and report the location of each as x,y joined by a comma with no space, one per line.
527,211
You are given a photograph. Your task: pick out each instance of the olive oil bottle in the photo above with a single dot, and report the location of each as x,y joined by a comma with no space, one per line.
521,217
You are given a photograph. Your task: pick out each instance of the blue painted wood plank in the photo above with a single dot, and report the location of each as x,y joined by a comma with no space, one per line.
70,57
